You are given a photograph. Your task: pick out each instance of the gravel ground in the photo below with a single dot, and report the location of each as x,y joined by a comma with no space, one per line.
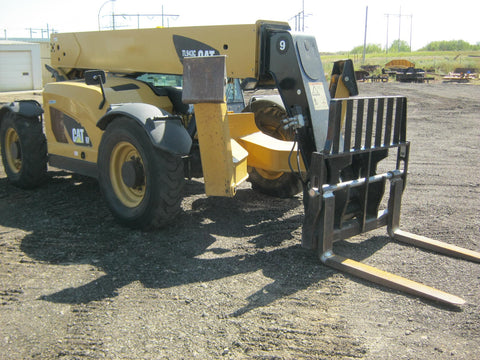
229,278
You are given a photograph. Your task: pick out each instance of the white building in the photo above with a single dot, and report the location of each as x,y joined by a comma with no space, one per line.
20,66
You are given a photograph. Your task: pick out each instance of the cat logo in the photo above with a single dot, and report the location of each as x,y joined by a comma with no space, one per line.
79,137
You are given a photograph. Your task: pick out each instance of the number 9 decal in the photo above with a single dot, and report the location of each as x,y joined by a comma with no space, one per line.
282,45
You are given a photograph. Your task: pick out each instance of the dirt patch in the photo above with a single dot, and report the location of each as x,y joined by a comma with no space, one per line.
229,278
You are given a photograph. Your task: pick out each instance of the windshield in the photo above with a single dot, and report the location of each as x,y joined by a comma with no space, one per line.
234,92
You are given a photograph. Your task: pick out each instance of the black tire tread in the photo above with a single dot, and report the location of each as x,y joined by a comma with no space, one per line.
286,186
33,144
171,193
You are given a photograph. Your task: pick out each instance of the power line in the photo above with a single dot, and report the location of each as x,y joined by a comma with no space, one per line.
300,18
138,16
150,16
399,15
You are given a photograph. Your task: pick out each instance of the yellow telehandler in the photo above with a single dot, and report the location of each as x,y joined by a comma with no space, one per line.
140,110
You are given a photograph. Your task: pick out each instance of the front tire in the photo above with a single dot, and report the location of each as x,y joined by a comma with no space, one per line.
24,150
142,184
273,183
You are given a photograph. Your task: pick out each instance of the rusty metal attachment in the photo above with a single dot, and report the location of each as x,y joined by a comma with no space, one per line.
345,192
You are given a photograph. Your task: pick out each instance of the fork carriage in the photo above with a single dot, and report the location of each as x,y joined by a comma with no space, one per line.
345,192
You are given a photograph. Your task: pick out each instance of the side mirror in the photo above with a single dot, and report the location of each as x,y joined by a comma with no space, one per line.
95,77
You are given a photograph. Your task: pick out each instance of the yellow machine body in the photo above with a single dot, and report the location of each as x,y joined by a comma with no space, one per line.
72,112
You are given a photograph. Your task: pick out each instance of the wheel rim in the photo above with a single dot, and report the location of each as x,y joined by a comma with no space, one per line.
122,153
13,152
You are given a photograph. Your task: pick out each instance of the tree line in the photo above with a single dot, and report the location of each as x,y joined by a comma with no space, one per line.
452,45
403,46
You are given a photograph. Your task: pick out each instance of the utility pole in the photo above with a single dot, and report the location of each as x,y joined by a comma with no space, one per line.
399,26
163,17
411,26
303,15
365,37
113,16
386,43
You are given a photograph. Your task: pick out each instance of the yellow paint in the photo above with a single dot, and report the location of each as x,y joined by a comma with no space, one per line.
239,157
341,90
436,245
129,196
14,161
268,153
391,280
242,124
223,160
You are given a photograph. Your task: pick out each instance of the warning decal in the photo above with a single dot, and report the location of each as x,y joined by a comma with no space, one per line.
319,97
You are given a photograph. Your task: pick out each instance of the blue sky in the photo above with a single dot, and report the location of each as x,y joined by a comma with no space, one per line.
337,25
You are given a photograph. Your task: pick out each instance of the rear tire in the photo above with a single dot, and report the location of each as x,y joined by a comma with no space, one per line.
268,118
24,150
142,184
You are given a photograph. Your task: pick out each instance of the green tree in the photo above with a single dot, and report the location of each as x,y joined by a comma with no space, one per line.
451,45
399,46
369,49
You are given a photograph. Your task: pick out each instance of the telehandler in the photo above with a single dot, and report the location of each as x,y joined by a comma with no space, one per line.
140,110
